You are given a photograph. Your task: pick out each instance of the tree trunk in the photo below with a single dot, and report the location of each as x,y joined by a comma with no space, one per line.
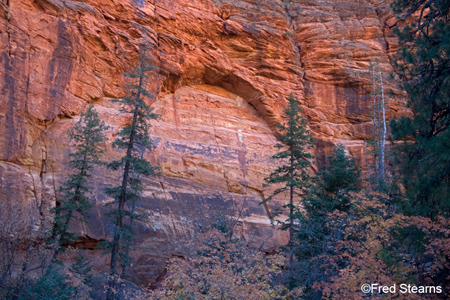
127,250
291,213
383,138
122,199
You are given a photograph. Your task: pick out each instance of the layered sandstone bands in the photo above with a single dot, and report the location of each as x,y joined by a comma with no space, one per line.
223,70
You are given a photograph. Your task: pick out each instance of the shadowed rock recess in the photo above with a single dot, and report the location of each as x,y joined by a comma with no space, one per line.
223,72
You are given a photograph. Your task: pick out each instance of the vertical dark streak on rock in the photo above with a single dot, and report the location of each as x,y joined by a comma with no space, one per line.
13,129
295,45
175,112
27,87
8,19
9,92
60,70
43,179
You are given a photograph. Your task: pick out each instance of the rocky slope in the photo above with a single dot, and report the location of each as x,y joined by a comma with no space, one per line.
223,71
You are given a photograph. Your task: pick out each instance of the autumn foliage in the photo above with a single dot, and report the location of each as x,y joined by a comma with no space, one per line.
377,244
371,242
224,269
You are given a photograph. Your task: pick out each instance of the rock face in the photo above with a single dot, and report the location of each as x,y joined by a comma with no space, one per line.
223,71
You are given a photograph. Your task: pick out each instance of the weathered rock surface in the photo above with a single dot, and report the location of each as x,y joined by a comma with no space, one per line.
224,69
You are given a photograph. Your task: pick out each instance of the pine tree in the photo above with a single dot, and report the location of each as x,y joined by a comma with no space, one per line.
423,139
293,172
134,139
50,286
81,276
339,176
88,134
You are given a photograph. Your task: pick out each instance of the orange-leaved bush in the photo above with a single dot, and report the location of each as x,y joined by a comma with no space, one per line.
224,269
382,246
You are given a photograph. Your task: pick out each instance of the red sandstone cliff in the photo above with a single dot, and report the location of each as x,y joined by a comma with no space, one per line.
224,68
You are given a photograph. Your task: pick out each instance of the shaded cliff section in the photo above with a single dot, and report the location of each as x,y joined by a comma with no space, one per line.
224,69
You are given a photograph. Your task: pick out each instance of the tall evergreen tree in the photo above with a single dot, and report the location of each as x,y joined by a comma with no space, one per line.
134,139
423,139
88,134
294,159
